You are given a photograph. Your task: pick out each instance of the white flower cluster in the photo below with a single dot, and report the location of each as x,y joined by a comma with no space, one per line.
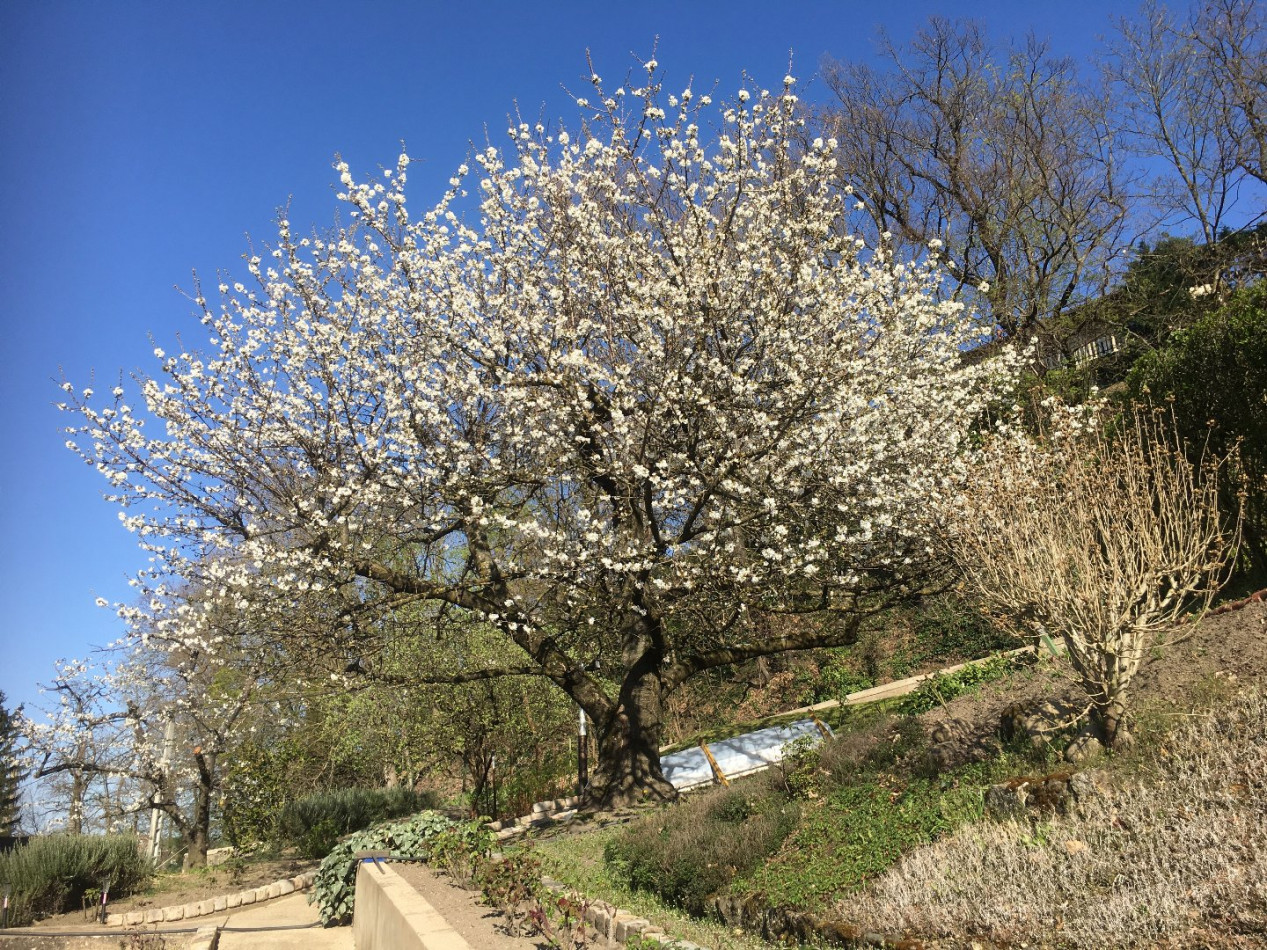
645,377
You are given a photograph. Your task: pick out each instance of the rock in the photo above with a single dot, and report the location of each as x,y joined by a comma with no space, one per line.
233,900
248,897
133,919
173,913
1006,801
219,904
191,910
1087,785
627,927
1074,847
1085,746
284,887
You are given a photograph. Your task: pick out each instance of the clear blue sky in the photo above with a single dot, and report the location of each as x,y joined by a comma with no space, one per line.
140,141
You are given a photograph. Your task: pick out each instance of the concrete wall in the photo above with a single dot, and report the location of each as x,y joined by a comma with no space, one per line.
391,915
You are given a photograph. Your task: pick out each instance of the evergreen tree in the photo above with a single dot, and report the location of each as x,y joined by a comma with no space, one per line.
10,774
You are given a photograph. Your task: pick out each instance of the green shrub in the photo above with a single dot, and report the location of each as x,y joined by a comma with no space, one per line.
943,687
315,823
1214,375
334,891
51,874
688,853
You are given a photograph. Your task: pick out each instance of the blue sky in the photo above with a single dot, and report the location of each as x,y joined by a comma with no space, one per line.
140,141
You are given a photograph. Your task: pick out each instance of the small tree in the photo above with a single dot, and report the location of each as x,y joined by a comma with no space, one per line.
1100,536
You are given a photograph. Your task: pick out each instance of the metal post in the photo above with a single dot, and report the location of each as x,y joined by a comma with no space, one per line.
157,818
4,907
582,758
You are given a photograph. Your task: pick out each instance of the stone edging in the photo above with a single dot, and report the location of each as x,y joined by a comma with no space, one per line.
618,925
214,905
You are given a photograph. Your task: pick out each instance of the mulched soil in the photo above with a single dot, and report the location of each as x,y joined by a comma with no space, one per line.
481,926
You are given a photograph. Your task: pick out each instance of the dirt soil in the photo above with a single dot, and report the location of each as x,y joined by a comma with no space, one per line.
182,888
481,926
1230,645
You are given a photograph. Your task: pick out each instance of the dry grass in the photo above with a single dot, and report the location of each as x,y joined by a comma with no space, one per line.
1182,861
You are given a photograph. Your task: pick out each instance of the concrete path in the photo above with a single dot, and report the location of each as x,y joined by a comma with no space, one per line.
292,911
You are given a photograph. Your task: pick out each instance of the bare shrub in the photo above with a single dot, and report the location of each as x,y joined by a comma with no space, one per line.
1180,860
1101,536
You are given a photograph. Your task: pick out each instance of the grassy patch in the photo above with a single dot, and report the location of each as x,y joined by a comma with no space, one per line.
577,861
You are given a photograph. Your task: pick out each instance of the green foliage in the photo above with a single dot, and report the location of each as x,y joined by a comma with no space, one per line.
315,822
859,832
1214,375
511,884
688,853
797,772
949,627
460,848
256,786
10,773
334,891
51,874
943,687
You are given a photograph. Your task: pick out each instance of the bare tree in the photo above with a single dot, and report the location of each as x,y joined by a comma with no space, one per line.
1168,107
1232,35
1001,154
1103,538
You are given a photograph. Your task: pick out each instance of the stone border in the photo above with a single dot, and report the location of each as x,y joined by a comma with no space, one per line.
616,925
213,905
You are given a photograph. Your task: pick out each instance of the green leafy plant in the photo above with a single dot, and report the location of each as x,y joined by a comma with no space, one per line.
942,688
561,921
334,890
460,848
511,884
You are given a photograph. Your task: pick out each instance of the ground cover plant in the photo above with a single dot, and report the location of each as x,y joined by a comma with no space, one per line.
50,874
334,891
825,821
691,852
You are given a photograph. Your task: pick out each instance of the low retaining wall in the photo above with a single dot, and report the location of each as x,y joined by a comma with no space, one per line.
391,915
213,905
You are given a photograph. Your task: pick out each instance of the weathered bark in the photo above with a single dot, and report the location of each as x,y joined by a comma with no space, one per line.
1111,717
628,768
198,834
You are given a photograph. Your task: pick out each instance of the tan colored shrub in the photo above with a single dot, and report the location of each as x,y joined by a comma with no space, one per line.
1179,860
1100,537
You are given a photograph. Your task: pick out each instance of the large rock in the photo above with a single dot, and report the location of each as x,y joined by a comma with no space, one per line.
1036,723
1085,746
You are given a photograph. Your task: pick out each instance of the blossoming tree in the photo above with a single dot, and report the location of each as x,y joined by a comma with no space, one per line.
628,398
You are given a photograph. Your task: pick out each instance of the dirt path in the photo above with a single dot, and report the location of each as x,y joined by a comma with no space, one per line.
480,926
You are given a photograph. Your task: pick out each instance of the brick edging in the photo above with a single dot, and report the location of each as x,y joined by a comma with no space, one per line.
214,905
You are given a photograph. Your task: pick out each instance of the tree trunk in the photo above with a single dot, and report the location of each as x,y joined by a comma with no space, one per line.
200,830
1112,716
628,767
